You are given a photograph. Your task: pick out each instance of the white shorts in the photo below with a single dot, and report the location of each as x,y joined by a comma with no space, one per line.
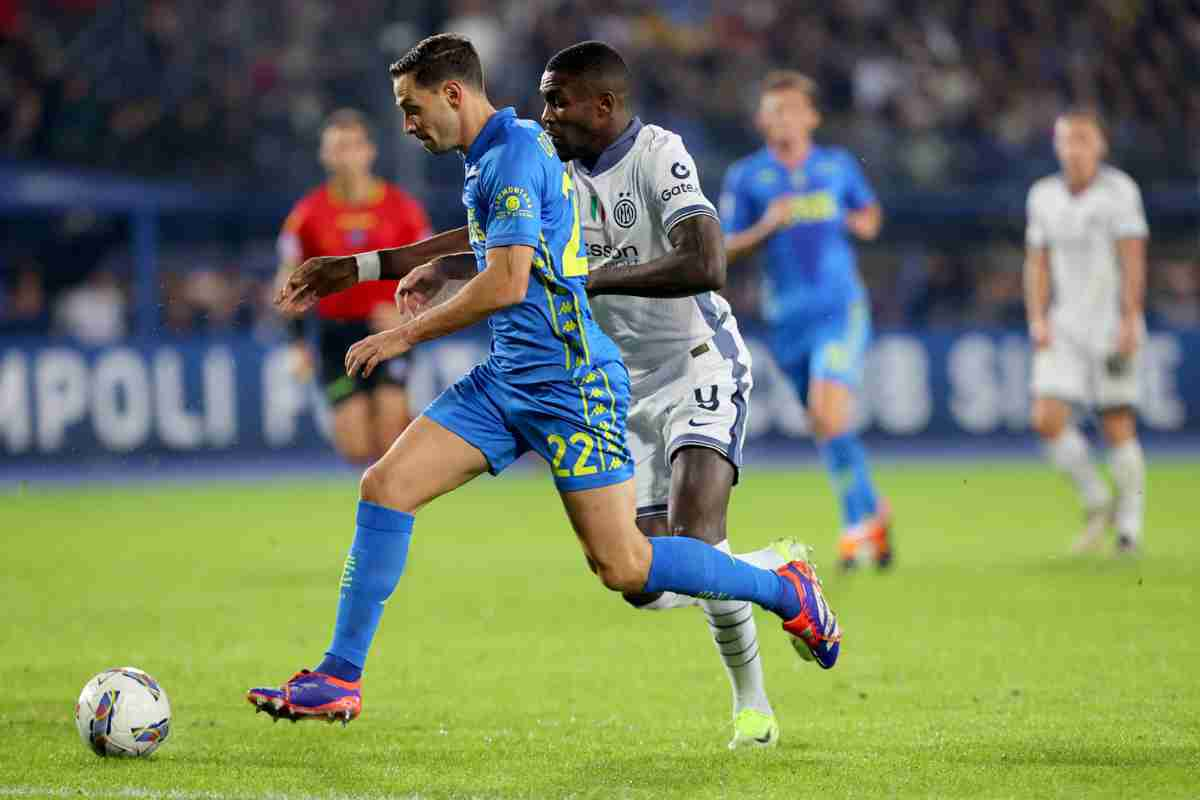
700,399
1081,375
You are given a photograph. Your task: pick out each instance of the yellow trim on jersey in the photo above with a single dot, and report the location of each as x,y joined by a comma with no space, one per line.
612,410
587,353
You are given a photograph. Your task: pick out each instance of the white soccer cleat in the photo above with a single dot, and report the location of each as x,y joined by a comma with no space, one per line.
1096,523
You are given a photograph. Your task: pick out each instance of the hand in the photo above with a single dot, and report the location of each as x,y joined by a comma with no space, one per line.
778,214
1128,337
419,287
300,361
316,278
1039,332
365,355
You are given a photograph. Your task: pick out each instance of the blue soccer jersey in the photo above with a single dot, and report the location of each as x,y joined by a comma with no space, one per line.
554,382
517,192
810,266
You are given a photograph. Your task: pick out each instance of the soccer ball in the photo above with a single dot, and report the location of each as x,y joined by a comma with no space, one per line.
123,712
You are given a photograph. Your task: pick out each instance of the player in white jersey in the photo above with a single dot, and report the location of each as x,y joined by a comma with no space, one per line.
1085,277
656,257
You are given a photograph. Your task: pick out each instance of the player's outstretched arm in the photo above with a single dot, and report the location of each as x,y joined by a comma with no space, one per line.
504,283
325,275
695,264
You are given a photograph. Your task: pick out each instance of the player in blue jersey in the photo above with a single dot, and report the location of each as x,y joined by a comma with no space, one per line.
553,383
800,200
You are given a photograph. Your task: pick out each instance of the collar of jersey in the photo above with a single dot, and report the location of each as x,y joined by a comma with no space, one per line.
617,150
488,133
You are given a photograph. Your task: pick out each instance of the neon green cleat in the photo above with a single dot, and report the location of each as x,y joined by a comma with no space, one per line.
790,550
753,728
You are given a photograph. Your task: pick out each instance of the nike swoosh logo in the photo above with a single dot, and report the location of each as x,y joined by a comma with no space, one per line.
695,424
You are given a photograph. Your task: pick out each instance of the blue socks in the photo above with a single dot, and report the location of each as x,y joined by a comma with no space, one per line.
691,567
847,464
373,568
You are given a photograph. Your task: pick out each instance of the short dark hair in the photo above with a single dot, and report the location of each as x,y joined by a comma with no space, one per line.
781,79
595,61
347,118
444,57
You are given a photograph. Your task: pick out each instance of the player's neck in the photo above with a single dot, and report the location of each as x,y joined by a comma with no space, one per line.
352,190
606,139
475,115
1078,184
791,152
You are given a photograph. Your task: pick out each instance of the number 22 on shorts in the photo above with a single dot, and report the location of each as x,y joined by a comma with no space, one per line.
581,467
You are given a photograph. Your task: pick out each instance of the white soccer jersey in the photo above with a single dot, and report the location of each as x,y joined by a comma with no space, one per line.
1081,233
644,184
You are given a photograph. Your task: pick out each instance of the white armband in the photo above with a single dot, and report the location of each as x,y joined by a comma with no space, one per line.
368,266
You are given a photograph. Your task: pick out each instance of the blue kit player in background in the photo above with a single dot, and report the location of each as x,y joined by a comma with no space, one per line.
800,199
553,383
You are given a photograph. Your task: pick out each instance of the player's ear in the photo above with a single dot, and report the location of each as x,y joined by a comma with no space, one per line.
453,92
606,102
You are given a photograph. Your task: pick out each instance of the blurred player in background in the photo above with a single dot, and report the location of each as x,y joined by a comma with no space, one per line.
553,383
800,199
1085,284
353,211
656,259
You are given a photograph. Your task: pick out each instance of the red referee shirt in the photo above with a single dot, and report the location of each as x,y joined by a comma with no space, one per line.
323,224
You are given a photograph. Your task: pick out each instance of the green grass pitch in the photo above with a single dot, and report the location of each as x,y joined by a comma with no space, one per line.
988,664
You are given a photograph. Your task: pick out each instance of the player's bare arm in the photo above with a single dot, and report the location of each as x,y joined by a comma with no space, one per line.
1132,254
504,283
695,264
1037,294
325,275
865,222
777,216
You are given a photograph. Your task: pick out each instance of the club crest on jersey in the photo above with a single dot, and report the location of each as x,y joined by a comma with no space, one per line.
625,212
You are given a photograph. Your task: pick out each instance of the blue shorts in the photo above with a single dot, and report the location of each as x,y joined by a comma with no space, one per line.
578,427
833,350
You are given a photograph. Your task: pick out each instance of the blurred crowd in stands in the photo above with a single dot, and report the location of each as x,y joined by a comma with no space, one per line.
930,94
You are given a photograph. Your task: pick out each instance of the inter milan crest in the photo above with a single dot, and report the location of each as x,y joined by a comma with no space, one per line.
625,212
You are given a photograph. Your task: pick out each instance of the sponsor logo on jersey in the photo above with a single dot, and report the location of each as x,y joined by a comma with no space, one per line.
625,212
678,189
610,252
814,207
680,171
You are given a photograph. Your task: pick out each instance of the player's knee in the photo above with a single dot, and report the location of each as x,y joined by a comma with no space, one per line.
826,423
624,573
1046,421
372,487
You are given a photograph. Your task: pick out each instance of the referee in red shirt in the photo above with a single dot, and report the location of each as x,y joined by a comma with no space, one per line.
353,211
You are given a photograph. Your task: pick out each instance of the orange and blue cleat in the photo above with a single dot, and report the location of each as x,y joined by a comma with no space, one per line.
310,695
814,631
874,533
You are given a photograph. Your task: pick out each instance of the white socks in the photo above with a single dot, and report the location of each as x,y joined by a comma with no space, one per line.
1069,452
736,636
734,633
1129,474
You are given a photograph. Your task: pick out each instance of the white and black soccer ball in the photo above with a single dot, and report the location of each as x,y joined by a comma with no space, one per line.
123,712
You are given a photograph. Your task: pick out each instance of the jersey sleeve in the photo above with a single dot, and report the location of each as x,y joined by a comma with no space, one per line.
512,185
737,205
859,193
289,247
671,184
1129,216
1035,228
